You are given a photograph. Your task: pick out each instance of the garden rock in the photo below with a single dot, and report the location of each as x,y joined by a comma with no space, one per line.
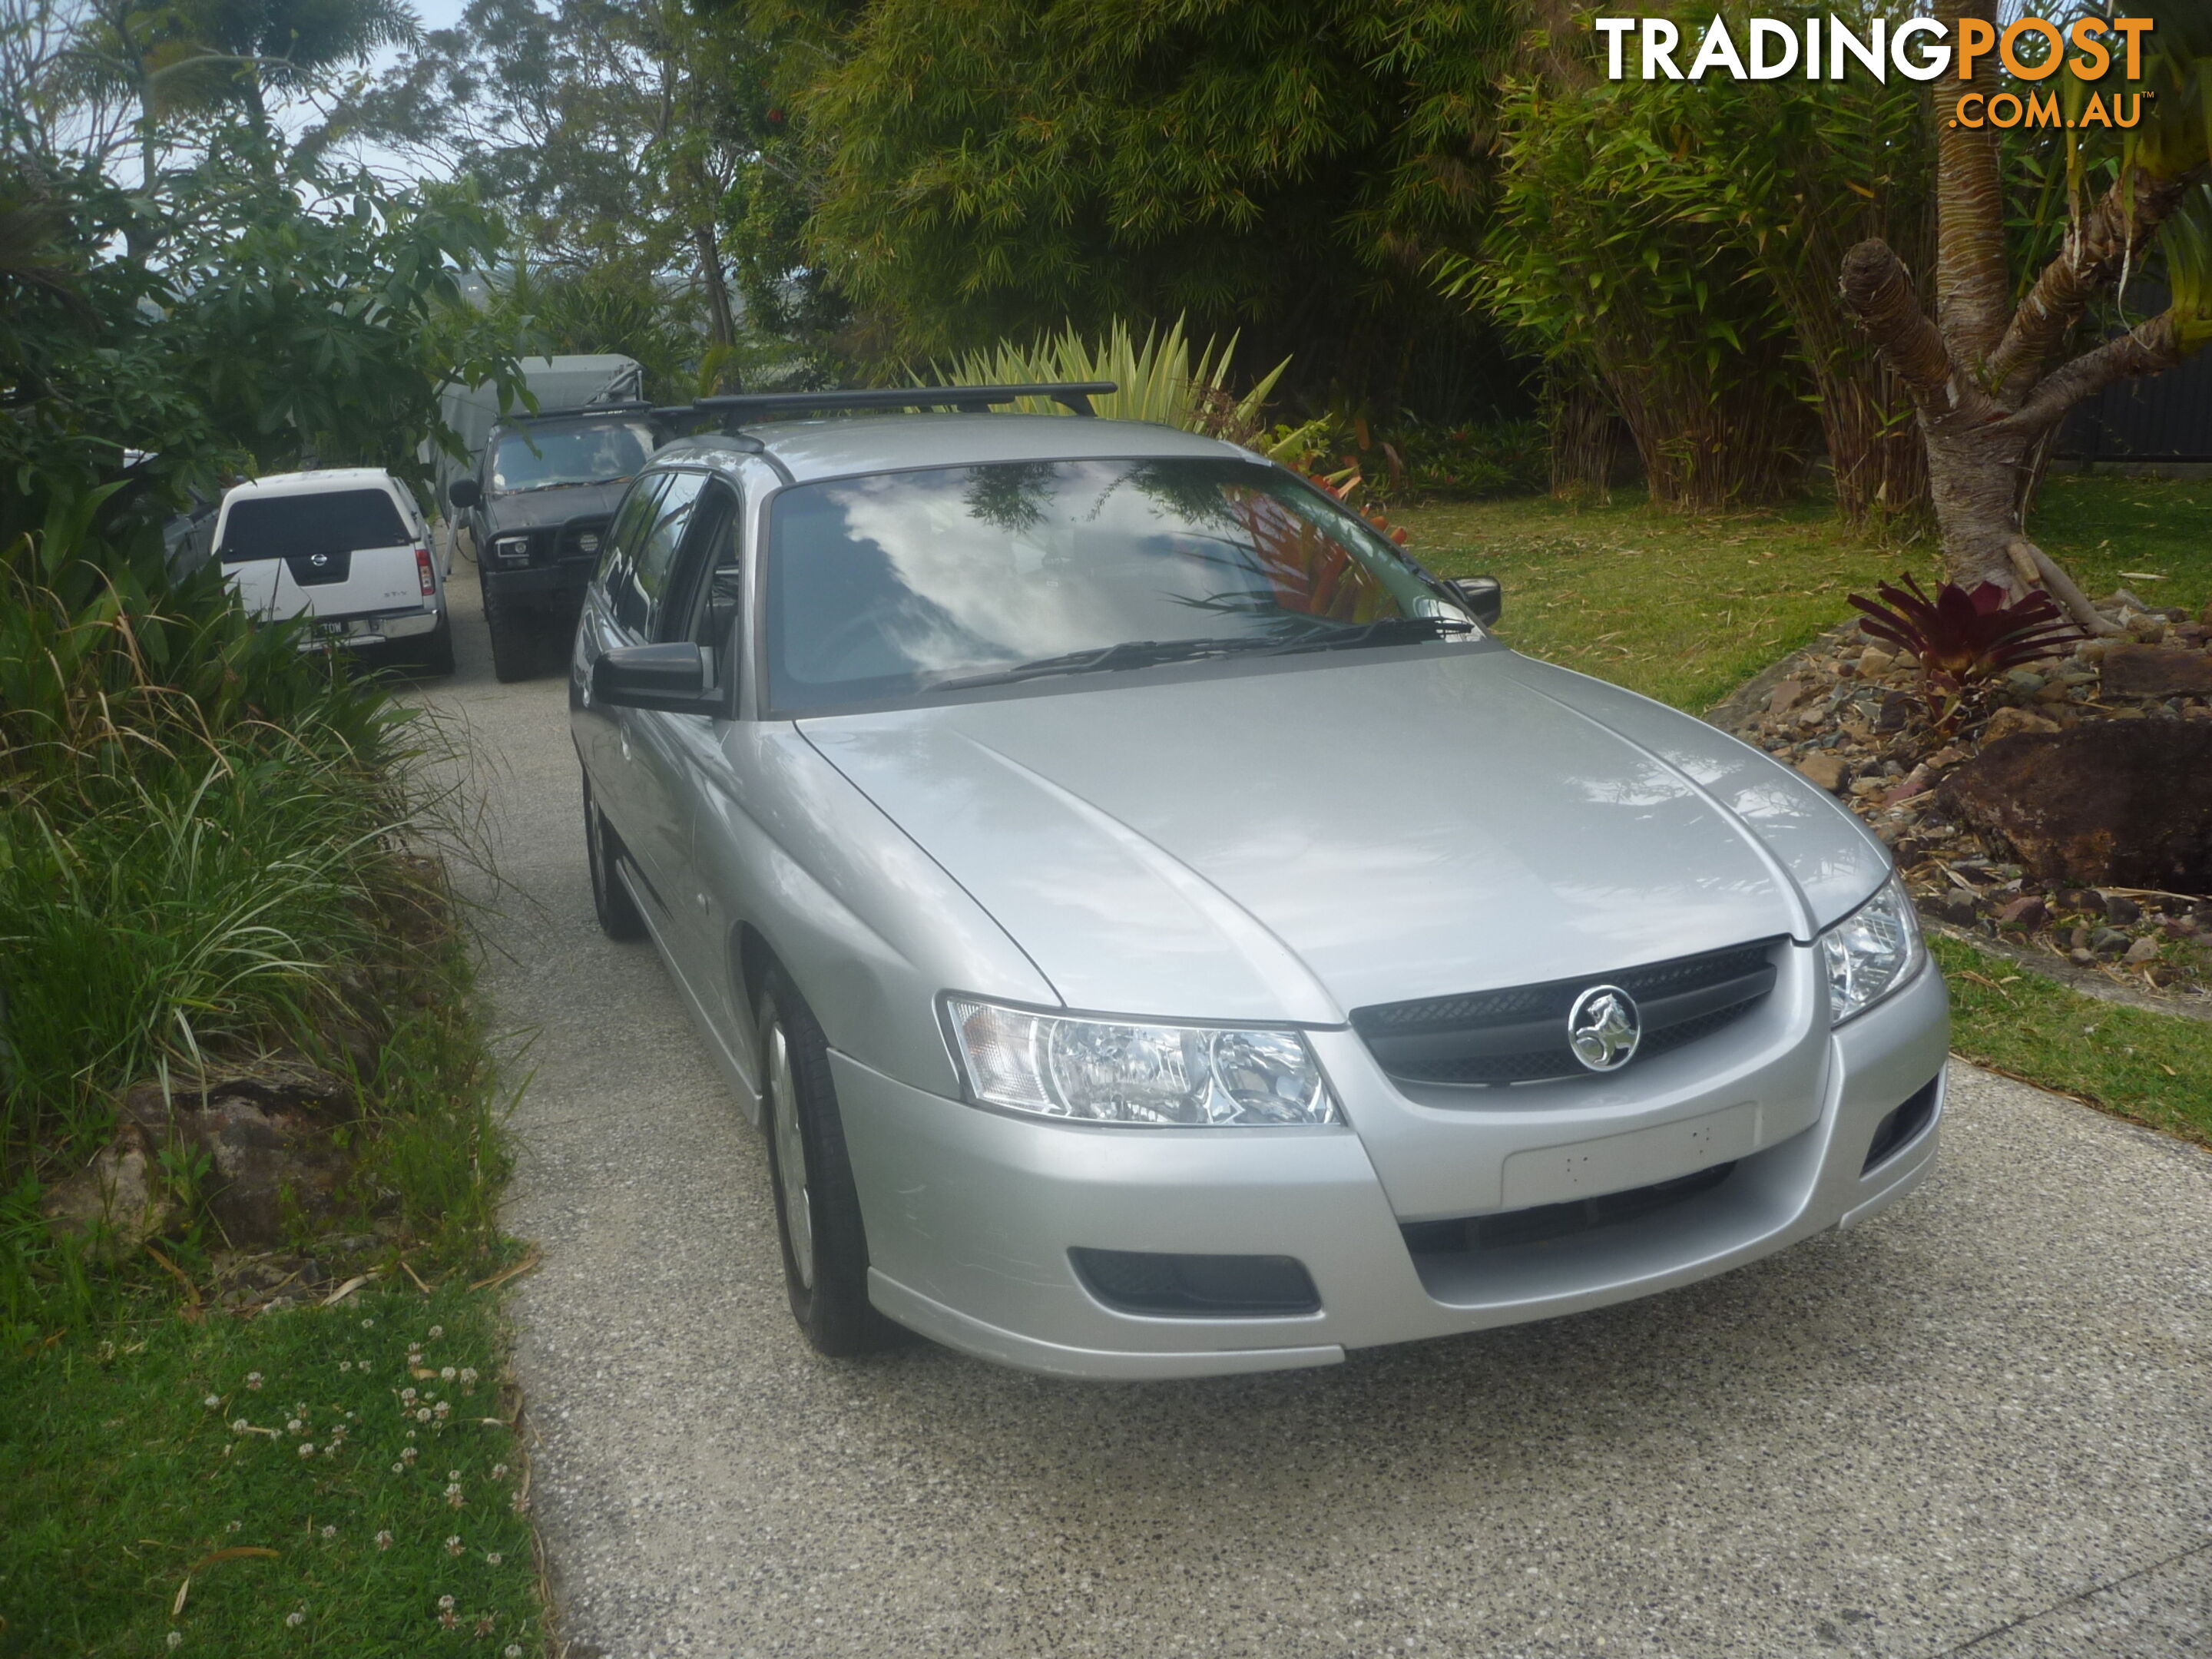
267,1132
2143,950
116,1201
2143,671
2008,721
1786,696
1826,769
2121,910
2127,803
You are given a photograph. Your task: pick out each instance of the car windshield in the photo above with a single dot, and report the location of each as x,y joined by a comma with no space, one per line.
897,583
326,521
555,457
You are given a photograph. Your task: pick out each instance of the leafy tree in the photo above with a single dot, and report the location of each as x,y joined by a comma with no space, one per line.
191,57
628,143
992,169
222,324
1995,369
1592,260
1793,173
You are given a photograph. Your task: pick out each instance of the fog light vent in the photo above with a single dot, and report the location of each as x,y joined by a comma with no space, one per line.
1198,1286
1904,1125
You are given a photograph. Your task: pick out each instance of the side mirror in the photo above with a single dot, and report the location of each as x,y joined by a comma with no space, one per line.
677,678
464,492
1483,596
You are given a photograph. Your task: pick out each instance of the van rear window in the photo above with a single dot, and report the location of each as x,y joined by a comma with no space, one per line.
276,527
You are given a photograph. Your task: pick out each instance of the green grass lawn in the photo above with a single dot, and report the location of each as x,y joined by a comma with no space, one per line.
2152,1067
1686,609
178,1478
141,1517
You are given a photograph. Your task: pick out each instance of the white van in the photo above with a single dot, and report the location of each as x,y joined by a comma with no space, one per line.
348,546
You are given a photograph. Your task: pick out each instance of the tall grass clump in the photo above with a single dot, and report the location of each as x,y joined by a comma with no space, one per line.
189,809
207,851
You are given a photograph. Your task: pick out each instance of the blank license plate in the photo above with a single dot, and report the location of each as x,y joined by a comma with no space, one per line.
1613,1163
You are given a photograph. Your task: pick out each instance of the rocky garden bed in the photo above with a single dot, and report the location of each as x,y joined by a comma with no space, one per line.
274,1170
2061,807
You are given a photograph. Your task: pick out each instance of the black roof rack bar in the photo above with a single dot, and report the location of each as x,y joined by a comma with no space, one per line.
1074,396
628,406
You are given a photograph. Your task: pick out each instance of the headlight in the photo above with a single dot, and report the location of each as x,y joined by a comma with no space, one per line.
511,547
1098,1070
1871,952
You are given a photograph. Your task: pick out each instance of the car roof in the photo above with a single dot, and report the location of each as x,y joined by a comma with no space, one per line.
320,480
837,448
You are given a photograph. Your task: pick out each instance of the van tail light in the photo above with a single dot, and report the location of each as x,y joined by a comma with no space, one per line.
422,568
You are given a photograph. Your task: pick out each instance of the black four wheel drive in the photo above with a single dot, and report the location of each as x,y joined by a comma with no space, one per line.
535,514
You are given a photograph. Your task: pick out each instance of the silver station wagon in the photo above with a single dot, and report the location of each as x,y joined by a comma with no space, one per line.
1161,929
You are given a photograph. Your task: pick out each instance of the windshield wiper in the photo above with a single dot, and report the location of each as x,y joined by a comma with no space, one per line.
1130,654
557,483
1384,630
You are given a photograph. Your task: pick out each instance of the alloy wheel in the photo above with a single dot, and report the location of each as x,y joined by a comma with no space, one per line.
790,1156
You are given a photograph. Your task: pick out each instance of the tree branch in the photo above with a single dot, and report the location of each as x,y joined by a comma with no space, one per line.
1878,289
2037,565
2144,349
2108,238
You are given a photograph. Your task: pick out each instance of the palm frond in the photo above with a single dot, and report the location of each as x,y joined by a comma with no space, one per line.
1156,378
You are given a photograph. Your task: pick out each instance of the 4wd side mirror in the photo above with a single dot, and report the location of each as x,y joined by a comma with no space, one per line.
677,678
464,492
1485,597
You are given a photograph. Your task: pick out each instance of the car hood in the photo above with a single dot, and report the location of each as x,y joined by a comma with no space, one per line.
1297,843
529,508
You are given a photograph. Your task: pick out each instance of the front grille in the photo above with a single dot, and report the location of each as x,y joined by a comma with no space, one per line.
1549,1221
1519,1035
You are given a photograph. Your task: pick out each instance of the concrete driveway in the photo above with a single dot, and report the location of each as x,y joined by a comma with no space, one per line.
1980,1425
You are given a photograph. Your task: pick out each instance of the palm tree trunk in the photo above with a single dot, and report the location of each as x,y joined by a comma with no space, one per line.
1987,407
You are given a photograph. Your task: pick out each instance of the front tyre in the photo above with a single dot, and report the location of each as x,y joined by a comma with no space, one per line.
818,1207
618,911
514,642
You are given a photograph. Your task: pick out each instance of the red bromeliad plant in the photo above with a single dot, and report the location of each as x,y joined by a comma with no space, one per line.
1963,636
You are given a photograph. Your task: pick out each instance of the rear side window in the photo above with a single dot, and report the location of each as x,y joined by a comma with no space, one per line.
627,531
655,562
338,522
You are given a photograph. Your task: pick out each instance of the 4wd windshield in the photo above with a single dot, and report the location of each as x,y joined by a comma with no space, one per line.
900,583
555,457
329,521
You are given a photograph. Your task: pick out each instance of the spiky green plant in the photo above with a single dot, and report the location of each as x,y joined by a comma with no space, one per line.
1157,379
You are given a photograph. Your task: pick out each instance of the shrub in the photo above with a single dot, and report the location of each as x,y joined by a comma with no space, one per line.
1157,380
1962,637
191,812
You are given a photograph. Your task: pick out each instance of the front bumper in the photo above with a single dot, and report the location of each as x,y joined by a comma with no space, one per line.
562,583
971,1213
